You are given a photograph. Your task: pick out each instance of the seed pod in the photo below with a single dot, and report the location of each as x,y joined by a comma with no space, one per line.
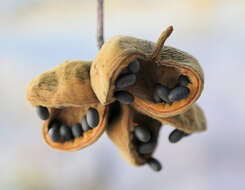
121,131
158,65
67,85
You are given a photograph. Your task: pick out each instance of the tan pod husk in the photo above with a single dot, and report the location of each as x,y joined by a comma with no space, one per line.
120,131
65,90
159,64
191,121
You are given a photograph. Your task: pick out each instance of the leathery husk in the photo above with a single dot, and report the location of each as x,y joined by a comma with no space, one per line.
159,64
120,131
66,91
191,121
121,126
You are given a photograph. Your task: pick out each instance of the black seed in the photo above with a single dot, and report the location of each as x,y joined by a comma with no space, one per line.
134,66
178,93
54,123
65,133
184,80
42,112
77,130
92,117
146,148
124,97
176,136
54,132
154,164
156,98
142,134
162,92
85,125
125,80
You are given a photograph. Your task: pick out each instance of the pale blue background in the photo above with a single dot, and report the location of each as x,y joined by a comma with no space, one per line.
36,35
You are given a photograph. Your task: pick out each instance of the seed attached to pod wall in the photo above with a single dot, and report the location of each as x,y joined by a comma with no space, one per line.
183,80
146,148
134,66
154,164
142,134
85,125
162,92
54,133
125,80
65,133
42,112
92,117
77,130
176,136
178,93
124,97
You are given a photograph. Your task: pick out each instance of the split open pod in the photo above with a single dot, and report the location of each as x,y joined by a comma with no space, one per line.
136,135
156,79
73,117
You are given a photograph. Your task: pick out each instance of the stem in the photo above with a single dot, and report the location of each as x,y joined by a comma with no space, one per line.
100,23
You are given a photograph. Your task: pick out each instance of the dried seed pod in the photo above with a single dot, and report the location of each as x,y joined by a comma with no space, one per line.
158,65
124,119
121,131
67,86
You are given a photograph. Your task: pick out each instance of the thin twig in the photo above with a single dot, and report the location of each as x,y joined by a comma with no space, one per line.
100,23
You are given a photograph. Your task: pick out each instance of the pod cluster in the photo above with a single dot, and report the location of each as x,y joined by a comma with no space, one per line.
140,85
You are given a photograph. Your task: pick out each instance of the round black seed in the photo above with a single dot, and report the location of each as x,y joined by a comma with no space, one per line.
162,92
92,117
178,93
142,134
156,98
77,130
85,125
176,136
54,132
54,123
65,133
184,80
146,148
42,112
124,97
125,80
134,66
154,164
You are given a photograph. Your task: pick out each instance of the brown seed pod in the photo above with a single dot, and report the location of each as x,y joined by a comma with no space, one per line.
121,131
65,90
158,65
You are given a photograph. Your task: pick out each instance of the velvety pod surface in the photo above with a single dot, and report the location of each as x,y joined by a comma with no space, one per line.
122,130
65,90
164,81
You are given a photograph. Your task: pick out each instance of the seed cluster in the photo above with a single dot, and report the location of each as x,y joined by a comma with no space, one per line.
126,80
60,132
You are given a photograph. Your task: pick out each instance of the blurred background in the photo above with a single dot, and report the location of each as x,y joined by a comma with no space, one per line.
36,35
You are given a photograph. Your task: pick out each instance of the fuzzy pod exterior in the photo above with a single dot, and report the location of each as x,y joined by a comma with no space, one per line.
121,131
159,64
66,91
